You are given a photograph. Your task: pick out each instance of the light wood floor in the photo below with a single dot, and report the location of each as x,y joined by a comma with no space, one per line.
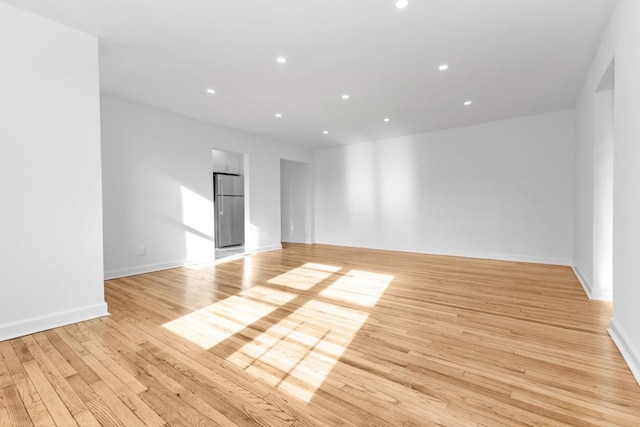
321,335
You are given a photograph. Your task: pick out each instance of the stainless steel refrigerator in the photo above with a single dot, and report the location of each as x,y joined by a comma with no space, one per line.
229,205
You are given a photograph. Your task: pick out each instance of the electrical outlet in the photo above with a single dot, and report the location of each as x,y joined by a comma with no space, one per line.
142,251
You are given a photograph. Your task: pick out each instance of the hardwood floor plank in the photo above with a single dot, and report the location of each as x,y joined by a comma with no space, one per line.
121,392
192,398
103,413
4,417
167,412
231,399
21,350
5,374
123,412
55,378
52,354
568,407
96,406
72,352
116,364
225,369
54,404
32,401
9,362
86,419
179,407
16,411
28,393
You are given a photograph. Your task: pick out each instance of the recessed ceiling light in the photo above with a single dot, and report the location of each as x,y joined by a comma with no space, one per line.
345,96
467,102
281,59
325,132
443,67
401,4
278,115
211,91
386,119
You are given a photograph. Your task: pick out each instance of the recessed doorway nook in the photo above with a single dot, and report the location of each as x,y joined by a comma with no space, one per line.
603,168
296,202
230,202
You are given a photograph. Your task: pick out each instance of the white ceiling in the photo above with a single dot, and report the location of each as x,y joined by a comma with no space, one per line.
511,57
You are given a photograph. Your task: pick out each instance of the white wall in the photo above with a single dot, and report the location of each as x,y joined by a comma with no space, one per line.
296,192
626,226
158,187
51,234
499,190
621,42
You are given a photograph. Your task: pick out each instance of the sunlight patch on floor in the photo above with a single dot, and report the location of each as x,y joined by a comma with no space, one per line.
358,287
305,277
217,322
301,344
298,353
247,272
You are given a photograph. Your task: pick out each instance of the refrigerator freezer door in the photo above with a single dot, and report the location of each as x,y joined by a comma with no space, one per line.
229,185
230,221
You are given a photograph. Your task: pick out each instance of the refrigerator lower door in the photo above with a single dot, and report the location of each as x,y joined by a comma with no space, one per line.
230,221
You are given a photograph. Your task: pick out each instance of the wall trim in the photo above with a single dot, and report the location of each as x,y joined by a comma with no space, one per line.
627,349
596,294
586,286
53,320
463,254
252,251
149,268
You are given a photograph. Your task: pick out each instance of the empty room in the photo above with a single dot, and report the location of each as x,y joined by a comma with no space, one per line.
320,213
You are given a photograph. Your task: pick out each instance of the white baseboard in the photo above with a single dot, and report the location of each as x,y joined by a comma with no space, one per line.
586,286
627,349
463,254
50,321
149,268
503,257
602,294
593,293
263,249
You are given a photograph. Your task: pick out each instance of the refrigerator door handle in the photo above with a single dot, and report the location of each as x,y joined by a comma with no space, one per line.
220,181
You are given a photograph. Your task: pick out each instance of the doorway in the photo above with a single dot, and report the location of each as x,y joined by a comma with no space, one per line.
603,165
229,203
295,202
